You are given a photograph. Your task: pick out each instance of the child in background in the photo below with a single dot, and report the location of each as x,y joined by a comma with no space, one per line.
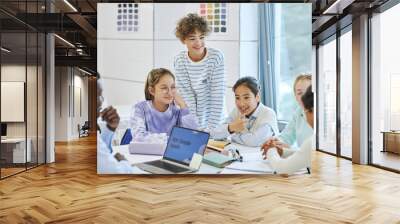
288,160
297,130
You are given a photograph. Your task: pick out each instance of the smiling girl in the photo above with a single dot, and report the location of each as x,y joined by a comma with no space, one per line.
250,122
162,109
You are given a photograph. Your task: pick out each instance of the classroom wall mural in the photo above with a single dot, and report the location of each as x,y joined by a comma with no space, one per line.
128,17
216,15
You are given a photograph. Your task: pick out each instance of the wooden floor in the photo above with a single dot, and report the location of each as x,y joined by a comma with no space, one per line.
5,172
387,159
70,191
10,171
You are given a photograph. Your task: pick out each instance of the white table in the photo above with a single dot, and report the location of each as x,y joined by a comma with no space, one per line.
251,159
18,150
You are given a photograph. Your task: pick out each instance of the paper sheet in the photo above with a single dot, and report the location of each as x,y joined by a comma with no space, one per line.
250,166
251,156
230,171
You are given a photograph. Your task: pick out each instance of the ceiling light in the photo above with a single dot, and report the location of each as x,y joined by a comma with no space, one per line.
338,6
70,5
84,71
79,51
65,41
5,50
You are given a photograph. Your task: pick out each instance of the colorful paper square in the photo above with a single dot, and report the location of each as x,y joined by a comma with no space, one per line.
128,17
215,14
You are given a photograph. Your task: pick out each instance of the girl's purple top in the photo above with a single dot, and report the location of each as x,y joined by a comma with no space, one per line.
145,119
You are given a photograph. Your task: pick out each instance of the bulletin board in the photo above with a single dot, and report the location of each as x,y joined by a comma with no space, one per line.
12,101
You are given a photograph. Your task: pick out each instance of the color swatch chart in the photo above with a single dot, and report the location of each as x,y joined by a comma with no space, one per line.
128,17
216,15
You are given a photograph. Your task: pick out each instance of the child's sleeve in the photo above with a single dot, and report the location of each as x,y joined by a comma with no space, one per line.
188,120
217,92
137,121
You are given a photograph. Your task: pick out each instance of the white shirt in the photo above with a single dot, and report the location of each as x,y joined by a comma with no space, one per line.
106,162
291,160
297,130
261,125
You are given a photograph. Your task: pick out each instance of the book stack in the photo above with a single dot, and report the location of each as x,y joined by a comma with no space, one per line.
217,145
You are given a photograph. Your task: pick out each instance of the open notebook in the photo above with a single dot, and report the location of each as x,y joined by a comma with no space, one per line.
252,163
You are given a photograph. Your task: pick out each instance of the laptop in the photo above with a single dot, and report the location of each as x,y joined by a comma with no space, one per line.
182,144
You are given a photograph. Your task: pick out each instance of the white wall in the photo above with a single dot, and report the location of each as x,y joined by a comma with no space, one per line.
61,103
33,126
71,102
125,58
13,100
12,73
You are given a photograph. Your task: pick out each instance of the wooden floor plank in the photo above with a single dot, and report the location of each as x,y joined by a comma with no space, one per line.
70,191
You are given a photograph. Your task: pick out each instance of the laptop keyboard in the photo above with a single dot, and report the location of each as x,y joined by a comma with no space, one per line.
167,166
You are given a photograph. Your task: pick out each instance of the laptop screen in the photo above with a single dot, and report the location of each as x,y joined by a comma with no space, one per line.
183,143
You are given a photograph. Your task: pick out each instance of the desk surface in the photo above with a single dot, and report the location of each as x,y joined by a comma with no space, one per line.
251,158
390,132
13,140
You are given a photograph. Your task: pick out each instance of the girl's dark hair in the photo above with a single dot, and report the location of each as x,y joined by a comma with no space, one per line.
308,99
249,82
153,78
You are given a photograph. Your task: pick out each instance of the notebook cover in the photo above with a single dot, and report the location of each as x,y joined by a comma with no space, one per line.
216,145
216,159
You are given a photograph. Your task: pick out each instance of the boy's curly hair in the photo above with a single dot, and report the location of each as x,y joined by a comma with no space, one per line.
189,24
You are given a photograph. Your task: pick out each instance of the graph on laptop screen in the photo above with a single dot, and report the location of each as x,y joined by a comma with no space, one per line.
183,143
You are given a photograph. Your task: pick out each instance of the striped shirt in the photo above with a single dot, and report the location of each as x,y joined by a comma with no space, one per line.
202,85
